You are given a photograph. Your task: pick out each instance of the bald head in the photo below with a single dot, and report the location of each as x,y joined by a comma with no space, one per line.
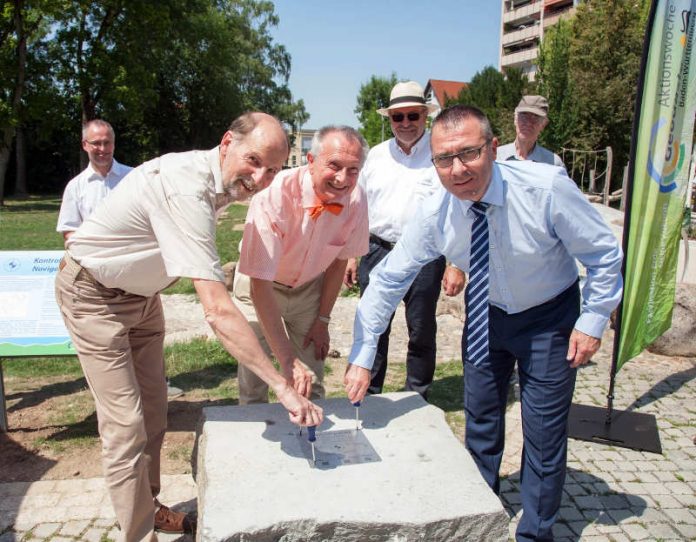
248,122
252,152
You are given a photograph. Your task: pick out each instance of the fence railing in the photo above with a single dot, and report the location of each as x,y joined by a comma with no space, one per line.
592,171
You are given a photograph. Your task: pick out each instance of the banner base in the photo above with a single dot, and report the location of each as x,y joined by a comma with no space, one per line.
627,429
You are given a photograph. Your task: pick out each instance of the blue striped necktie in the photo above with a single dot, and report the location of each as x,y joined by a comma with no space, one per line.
477,290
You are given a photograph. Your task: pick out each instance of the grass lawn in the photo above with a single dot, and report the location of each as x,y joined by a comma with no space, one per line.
31,225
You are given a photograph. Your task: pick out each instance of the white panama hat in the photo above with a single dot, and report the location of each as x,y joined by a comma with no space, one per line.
406,94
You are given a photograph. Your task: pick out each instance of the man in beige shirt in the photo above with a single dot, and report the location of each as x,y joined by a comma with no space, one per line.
156,226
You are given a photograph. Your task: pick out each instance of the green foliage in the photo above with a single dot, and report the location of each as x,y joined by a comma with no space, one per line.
169,76
604,73
554,82
590,78
497,95
374,95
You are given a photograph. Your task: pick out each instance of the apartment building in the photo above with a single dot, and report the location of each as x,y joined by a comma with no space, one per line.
522,30
301,145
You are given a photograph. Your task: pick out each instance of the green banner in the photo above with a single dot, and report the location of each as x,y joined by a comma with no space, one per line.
660,179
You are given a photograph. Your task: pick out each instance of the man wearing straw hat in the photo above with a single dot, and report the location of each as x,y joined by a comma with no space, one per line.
397,175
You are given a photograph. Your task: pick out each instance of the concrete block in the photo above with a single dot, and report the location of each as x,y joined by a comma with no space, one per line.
256,483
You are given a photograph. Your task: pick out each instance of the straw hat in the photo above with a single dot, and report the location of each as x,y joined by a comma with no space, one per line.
406,94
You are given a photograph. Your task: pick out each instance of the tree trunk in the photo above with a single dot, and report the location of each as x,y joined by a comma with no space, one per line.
4,161
20,161
9,132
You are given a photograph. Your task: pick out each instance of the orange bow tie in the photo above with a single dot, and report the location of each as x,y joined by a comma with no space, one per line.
316,210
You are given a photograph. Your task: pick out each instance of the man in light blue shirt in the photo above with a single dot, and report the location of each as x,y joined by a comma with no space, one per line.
539,223
531,117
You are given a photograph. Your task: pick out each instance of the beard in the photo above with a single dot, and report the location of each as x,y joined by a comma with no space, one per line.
240,188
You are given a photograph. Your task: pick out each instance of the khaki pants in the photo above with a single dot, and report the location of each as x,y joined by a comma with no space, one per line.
119,340
299,308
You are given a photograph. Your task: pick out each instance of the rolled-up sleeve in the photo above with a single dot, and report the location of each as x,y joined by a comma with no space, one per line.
389,282
69,217
185,231
587,237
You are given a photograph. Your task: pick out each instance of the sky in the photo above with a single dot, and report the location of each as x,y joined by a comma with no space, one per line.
337,45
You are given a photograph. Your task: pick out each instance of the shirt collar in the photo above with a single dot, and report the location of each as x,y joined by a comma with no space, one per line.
309,198
423,142
529,154
213,157
494,192
93,173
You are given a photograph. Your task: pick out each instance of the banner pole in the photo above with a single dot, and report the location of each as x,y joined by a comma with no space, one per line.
628,196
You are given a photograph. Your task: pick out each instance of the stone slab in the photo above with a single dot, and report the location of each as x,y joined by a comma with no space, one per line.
255,482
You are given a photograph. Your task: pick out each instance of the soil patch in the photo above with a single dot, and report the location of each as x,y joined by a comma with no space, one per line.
38,447
53,426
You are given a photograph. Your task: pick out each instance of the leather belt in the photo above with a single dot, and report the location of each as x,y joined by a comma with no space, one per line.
387,245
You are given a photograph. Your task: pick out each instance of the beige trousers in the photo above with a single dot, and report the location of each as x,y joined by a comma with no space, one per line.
299,308
119,340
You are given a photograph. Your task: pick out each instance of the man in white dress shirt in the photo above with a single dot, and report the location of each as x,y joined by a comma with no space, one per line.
396,177
84,192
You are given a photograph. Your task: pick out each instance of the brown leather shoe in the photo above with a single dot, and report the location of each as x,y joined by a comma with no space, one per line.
169,521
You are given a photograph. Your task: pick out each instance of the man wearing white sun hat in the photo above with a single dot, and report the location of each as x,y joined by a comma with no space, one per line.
397,176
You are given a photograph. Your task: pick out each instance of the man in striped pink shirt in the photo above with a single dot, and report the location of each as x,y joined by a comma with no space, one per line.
298,236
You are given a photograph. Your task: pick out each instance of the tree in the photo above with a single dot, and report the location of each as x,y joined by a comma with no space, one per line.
372,96
497,95
604,72
199,63
21,23
554,82
168,75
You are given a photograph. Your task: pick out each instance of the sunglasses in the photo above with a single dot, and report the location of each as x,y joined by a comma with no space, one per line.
399,117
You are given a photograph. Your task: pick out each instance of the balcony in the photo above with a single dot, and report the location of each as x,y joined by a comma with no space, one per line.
529,11
519,58
556,15
519,36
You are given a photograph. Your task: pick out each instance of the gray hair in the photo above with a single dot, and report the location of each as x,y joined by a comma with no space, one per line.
348,132
455,115
97,123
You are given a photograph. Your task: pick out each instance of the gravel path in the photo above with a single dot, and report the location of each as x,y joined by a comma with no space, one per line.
184,321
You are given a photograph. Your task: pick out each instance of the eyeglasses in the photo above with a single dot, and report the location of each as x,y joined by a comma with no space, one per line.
399,117
467,155
101,143
529,118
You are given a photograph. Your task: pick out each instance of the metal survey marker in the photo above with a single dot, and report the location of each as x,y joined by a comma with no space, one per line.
336,448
